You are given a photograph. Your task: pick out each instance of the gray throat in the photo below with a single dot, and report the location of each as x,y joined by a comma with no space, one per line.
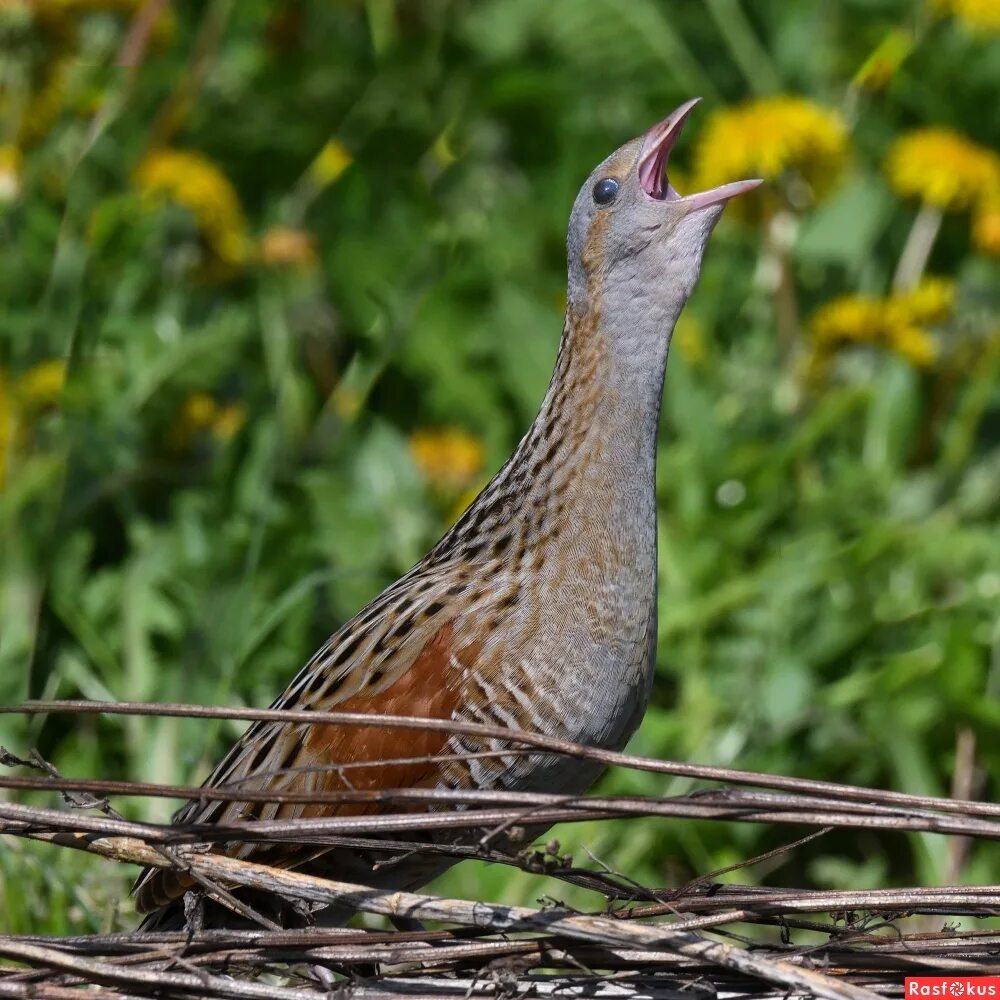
590,454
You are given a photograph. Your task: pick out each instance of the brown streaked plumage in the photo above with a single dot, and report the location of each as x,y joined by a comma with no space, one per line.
537,610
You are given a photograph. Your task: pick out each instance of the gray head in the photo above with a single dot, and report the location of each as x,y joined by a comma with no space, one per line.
635,244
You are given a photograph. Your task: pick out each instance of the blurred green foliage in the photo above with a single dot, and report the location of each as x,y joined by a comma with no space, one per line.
237,280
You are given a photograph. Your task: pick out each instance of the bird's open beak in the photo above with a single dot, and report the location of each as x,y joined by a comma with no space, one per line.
652,168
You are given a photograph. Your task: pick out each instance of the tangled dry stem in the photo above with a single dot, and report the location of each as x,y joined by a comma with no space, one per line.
701,938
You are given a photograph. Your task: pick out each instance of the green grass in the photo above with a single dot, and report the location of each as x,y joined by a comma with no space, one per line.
830,559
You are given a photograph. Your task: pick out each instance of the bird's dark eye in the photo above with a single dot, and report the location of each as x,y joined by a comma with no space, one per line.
605,191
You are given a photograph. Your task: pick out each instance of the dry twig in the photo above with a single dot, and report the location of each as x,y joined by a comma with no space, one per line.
859,945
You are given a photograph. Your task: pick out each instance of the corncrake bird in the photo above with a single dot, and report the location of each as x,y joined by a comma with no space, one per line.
537,610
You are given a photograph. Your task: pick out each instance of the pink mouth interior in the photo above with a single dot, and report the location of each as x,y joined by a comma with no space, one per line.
656,147
654,180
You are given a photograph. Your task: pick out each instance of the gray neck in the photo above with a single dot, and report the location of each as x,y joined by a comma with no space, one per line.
595,433
590,453
613,359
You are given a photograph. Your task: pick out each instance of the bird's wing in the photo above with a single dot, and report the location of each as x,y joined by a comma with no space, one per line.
402,655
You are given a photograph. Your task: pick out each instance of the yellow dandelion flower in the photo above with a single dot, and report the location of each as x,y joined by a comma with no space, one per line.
986,227
194,182
58,85
199,411
942,168
47,100
286,247
331,161
897,323
450,458
21,401
10,173
913,344
196,414
979,16
848,319
931,301
200,415
42,384
768,137
228,421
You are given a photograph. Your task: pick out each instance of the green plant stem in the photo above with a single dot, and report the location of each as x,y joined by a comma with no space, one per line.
917,249
208,41
744,46
978,387
779,237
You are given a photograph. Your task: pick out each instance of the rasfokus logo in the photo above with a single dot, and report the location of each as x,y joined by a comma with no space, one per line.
964,987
